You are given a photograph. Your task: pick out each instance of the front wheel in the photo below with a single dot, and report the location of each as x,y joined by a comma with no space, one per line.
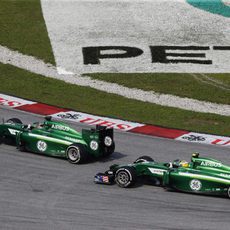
76,154
125,177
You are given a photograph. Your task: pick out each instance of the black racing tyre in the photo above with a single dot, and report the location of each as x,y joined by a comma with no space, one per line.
109,150
7,139
14,121
125,176
143,159
22,147
76,154
228,192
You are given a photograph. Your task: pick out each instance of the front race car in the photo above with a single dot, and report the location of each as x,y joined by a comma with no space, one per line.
205,176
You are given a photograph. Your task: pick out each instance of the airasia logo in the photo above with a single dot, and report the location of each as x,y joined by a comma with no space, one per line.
205,138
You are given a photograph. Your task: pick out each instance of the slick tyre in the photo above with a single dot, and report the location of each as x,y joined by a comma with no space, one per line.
228,192
22,147
109,150
143,159
14,121
76,154
125,177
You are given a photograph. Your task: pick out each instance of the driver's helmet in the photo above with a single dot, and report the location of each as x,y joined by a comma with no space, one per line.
37,125
184,164
195,154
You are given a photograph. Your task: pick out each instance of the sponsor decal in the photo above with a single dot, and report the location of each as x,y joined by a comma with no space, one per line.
225,175
69,116
60,127
101,179
205,138
108,141
195,185
105,179
13,102
211,164
94,145
94,137
159,54
96,120
72,139
41,146
193,138
157,171
13,131
168,55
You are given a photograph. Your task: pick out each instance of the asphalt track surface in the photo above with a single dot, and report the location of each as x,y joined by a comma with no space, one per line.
45,193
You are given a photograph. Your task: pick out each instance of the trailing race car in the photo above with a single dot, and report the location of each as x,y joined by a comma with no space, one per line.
201,175
55,138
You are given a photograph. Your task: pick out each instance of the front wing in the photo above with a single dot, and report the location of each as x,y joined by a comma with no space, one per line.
104,178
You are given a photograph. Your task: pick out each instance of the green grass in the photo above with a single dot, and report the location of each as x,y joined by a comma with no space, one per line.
185,85
35,87
23,28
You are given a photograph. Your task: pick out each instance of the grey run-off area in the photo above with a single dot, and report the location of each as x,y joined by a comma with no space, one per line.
40,193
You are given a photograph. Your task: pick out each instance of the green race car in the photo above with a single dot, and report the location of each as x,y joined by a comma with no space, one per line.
201,175
54,138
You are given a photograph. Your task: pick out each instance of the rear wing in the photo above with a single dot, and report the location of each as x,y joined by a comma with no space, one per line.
97,134
103,136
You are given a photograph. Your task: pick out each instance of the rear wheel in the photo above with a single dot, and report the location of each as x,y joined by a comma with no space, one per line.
76,154
14,121
109,150
143,159
125,176
229,192
22,147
